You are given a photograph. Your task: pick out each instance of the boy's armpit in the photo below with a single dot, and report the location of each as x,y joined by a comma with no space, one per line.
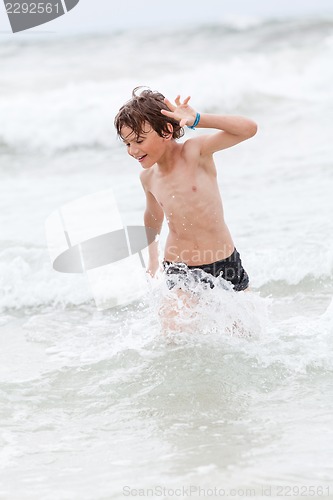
153,208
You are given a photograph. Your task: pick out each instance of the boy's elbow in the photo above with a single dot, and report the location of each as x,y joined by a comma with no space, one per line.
251,129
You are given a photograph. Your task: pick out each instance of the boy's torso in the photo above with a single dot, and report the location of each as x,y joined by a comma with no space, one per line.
191,201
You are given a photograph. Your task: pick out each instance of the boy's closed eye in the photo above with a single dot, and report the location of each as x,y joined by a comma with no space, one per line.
138,141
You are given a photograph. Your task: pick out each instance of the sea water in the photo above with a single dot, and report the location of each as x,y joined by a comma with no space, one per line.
101,404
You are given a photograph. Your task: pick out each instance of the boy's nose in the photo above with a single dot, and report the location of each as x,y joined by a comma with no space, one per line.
133,150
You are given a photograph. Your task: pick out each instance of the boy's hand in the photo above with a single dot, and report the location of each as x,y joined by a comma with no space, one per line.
152,267
182,112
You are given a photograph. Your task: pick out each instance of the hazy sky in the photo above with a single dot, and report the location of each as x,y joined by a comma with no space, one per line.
97,15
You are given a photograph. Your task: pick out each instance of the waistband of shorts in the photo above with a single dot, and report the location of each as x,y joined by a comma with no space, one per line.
231,258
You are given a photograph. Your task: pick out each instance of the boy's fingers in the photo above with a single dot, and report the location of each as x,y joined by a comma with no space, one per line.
169,104
167,113
177,100
187,99
182,122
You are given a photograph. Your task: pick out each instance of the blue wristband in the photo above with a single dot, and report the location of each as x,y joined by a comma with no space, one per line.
196,121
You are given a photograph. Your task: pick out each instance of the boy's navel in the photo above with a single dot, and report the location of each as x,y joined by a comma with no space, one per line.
194,188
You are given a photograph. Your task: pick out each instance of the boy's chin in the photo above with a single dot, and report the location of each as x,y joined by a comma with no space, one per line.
147,166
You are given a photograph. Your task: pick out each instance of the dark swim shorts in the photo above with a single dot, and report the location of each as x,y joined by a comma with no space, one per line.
230,269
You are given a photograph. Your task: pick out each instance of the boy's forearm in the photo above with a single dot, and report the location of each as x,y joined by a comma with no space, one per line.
236,125
153,251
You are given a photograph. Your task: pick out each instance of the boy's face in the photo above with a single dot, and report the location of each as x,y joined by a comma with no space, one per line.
148,148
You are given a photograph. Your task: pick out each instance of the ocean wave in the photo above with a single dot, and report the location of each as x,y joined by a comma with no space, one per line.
291,263
27,279
69,101
81,116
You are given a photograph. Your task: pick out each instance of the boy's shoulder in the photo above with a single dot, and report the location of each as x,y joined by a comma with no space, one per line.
145,176
192,150
192,145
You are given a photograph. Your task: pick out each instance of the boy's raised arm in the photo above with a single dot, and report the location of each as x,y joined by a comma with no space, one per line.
233,129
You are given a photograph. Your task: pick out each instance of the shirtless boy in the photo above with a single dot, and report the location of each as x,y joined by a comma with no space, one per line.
180,182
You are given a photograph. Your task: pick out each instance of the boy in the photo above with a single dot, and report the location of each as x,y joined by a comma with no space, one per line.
180,182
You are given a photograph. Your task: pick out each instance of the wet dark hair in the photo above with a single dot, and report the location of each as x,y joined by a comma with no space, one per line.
146,107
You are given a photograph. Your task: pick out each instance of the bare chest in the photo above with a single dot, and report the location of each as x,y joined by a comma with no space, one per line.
183,191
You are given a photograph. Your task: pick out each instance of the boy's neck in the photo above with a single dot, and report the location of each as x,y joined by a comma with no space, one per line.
167,161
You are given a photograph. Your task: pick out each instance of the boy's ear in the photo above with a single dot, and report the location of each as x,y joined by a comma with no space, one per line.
169,135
